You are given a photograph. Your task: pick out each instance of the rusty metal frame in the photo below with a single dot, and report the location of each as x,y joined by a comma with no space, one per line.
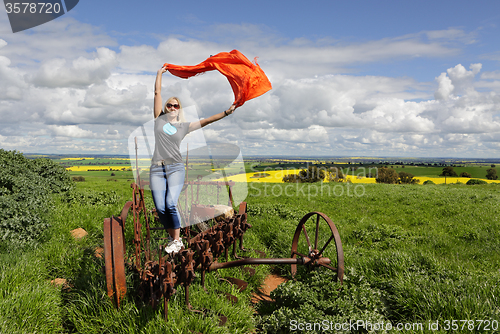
159,278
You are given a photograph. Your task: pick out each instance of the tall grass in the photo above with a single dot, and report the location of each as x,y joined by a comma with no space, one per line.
412,253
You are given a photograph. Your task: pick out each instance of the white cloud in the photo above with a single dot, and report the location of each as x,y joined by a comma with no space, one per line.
72,131
456,81
104,96
65,89
11,81
445,87
83,72
313,134
451,35
62,38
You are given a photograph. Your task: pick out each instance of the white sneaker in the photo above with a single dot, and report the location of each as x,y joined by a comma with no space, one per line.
174,247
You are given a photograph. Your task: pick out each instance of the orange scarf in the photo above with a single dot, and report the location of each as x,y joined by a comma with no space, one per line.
246,78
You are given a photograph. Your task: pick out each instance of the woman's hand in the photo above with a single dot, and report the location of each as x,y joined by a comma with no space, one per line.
163,69
231,109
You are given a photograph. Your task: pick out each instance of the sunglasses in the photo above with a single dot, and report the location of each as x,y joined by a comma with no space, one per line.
176,106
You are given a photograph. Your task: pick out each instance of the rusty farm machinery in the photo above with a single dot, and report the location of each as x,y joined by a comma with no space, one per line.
208,237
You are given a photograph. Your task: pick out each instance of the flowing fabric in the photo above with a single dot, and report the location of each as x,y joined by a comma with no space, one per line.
247,79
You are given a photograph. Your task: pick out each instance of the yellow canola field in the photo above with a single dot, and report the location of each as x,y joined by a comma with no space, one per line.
440,180
77,158
277,176
94,168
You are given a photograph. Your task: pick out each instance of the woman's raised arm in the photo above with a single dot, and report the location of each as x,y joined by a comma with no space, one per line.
157,100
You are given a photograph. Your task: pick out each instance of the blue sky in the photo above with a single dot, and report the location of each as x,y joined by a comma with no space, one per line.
354,78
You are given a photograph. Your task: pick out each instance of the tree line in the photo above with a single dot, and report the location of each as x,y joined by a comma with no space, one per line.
383,175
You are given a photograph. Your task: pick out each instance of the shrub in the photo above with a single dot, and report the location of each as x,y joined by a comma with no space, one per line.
291,178
428,182
78,178
312,174
386,175
25,188
476,181
407,178
335,174
259,175
465,174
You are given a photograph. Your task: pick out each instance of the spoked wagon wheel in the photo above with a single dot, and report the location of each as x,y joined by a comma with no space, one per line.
114,262
313,239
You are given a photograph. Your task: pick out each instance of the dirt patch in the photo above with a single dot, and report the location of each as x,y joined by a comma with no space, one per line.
61,282
79,233
99,251
270,283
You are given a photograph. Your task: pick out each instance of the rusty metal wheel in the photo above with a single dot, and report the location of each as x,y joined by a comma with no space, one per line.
313,239
114,259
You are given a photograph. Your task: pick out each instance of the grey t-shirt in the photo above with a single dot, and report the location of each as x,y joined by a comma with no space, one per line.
168,139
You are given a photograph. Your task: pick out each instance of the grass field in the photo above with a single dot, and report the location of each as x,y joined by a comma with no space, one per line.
273,172
413,255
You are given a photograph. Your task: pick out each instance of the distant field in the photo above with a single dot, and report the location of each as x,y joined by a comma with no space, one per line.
271,172
275,174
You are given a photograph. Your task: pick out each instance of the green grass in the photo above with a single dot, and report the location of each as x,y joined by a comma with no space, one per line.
412,254
84,307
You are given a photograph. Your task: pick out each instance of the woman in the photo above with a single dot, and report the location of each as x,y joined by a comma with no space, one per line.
167,169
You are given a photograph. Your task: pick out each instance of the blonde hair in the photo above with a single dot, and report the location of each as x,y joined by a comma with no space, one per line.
180,117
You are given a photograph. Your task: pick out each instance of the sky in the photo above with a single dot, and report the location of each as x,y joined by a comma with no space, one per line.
350,78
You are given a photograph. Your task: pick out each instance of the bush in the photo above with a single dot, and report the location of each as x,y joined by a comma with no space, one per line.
291,178
309,175
259,175
407,178
386,175
476,181
465,174
428,182
78,178
335,174
25,188
312,174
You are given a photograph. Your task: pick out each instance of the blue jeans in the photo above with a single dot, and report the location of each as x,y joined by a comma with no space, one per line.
166,182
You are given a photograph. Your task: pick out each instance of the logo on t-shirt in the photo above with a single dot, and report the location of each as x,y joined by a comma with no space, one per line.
169,129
